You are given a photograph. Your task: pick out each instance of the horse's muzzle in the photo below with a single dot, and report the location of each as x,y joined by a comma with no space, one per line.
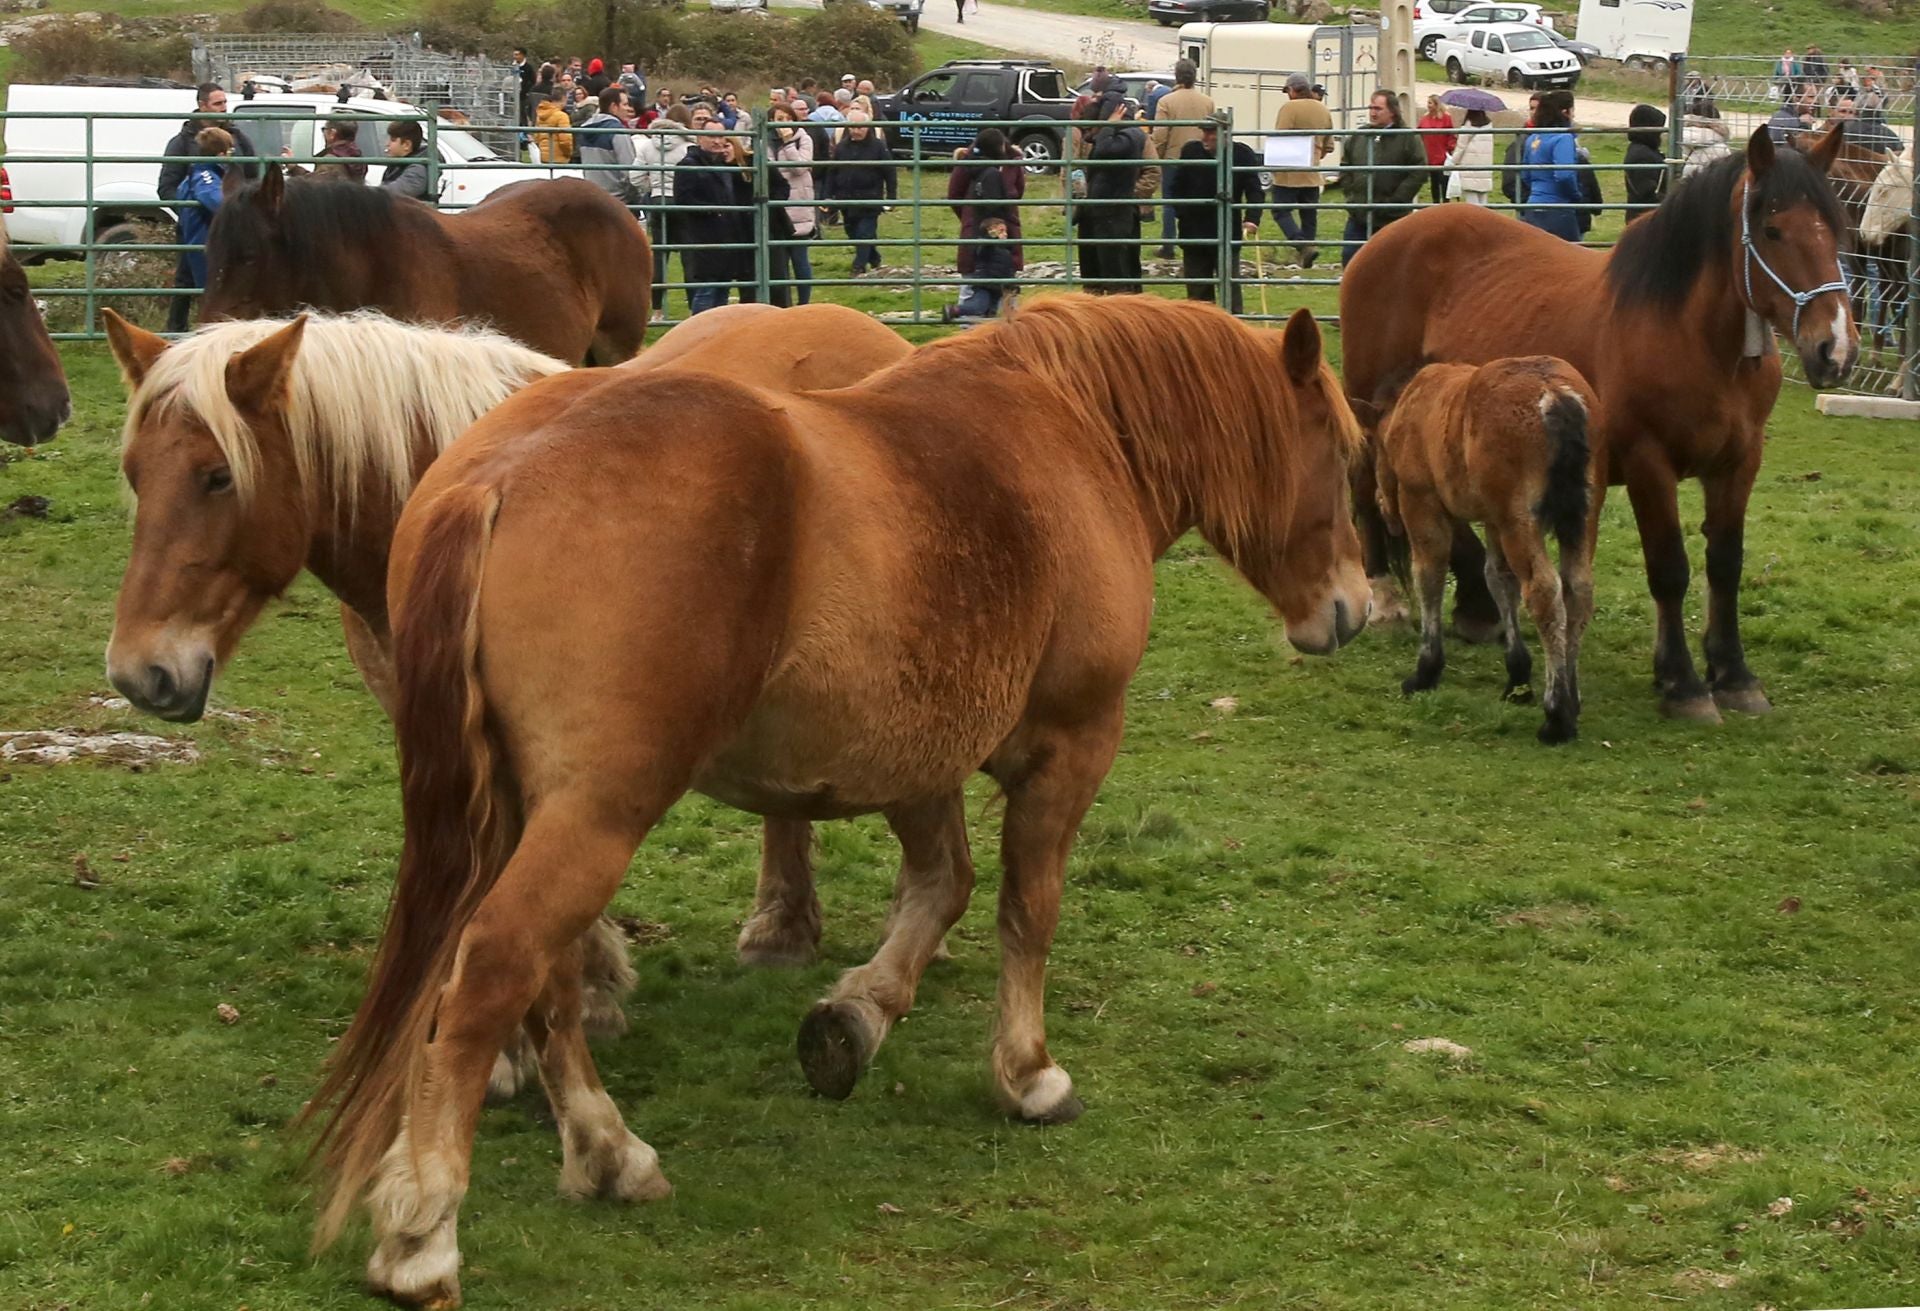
34,424
176,694
1342,622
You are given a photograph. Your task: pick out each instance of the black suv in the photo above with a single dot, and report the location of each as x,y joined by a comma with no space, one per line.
962,93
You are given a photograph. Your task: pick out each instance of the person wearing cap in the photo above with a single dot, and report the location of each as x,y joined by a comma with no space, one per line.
1193,178
1184,101
596,79
1296,191
1109,218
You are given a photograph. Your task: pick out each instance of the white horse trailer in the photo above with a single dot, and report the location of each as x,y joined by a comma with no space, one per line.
1638,32
1244,67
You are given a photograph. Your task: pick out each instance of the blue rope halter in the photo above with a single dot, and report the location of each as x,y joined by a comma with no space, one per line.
1800,299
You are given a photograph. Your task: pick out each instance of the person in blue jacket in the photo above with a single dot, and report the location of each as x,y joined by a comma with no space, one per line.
1553,173
202,190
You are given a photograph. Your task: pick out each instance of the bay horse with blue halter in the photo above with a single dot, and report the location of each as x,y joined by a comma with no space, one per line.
1674,327
33,387
556,264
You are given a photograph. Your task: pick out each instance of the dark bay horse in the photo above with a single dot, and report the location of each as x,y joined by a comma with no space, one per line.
811,605
33,387
1674,329
556,264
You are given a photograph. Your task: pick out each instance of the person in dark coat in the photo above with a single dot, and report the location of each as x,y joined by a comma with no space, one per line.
984,183
209,98
1115,145
713,206
407,175
1646,161
1381,168
596,80
523,73
864,171
1196,177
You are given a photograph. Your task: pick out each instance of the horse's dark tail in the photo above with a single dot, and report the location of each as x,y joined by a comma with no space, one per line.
454,849
1567,497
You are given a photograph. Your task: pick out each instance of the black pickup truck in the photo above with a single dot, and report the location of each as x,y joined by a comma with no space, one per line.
953,99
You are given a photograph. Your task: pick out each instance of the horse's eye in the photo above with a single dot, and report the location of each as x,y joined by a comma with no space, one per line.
1773,233
218,480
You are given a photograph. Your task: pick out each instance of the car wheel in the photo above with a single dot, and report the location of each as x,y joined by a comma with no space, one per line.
1427,46
913,25
1514,79
1164,22
1455,73
1039,150
119,234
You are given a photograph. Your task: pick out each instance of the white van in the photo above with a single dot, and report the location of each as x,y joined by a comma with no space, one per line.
125,150
1244,67
1642,33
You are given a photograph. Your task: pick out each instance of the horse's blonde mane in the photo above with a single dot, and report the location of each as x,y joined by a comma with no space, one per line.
1224,443
364,389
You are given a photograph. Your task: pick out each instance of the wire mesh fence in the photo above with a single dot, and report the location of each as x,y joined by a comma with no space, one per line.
485,91
910,243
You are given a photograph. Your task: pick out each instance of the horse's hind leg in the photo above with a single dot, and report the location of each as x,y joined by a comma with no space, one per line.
1428,533
522,941
841,1034
1540,584
1505,587
1734,685
784,928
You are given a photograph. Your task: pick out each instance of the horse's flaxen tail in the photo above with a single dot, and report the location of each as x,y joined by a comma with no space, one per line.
1566,499
453,852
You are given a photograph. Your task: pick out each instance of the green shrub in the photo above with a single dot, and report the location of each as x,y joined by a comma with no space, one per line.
291,16
67,46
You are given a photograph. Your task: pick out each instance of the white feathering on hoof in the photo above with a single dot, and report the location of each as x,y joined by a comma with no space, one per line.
1050,1089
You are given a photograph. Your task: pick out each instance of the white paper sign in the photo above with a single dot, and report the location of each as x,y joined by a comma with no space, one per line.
1289,152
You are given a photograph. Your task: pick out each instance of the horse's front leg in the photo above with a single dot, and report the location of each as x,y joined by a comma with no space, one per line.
1651,487
1734,686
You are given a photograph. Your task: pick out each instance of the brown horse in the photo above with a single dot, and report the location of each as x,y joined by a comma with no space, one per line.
1505,445
811,605
1671,327
315,476
559,265
33,388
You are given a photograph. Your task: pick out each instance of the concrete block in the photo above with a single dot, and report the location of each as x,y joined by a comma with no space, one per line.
1866,407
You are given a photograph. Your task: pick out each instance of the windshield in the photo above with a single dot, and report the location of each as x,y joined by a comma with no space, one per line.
1528,41
464,145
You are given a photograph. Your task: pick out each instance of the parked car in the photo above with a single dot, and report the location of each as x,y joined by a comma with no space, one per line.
1585,51
907,11
737,6
1518,54
1429,32
1170,12
126,176
951,99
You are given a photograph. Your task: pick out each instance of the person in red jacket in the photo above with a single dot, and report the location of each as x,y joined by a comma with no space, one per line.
1438,137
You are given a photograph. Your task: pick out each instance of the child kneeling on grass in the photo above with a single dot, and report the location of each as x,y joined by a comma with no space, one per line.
985,293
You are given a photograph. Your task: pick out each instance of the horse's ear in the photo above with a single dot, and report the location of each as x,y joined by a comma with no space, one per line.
134,348
1759,151
259,377
273,190
1827,149
1366,411
1300,347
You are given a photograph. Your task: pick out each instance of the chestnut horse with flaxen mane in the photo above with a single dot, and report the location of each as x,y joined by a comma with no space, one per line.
1673,328
808,605
558,264
33,387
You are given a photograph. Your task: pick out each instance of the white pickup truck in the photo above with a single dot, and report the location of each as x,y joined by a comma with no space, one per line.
1519,54
124,150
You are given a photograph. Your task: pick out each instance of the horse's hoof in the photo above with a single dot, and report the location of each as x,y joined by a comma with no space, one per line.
770,941
1553,733
1519,694
833,1049
1698,709
777,955
1743,700
1389,607
1477,632
1049,1099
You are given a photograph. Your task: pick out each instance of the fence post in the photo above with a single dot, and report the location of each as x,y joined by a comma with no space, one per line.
763,218
433,157
1676,148
919,258
1223,210
92,264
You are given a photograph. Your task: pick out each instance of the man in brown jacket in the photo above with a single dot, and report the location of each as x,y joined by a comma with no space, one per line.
1296,192
1183,102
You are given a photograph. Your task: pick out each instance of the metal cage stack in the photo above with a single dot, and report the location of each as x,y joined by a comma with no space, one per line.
481,89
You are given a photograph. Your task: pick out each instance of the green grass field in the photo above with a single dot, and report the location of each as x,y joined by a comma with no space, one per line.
1682,960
